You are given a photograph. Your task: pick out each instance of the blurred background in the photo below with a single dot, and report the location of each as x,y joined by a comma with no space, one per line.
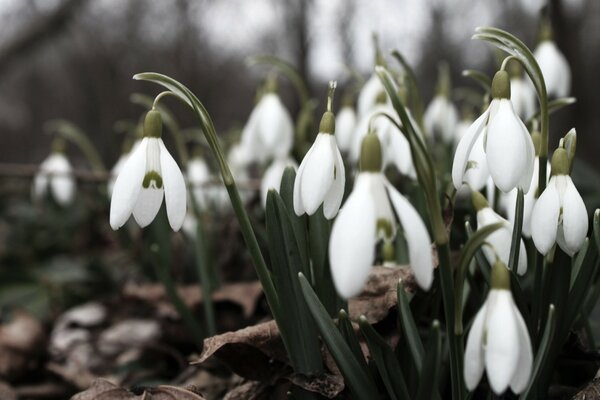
74,59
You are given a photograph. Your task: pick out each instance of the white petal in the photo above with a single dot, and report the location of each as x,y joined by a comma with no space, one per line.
463,150
508,149
198,175
298,205
275,126
273,175
522,374
174,186
502,350
352,241
318,173
523,96
40,186
474,361
345,122
118,167
368,94
417,238
128,186
440,118
62,183
544,218
477,173
555,68
147,206
574,219
333,198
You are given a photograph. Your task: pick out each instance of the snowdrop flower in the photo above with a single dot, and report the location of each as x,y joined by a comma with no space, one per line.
462,127
441,118
559,215
369,208
554,65
499,341
345,124
500,239
369,95
149,172
523,97
508,147
273,175
396,149
55,172
198,175
118,167
269,132
321,176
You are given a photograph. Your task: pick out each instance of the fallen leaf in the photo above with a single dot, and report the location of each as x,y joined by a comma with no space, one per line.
22,340
102,389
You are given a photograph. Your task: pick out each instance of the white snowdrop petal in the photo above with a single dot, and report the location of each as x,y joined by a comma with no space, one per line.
273,175
174,187
417,238
317,176
544,218
477,172
40,186
474,360
198,175
128,186
62,182
574,218
345,122
352,241
463,150
368,95
147,205
506,148
333,198
555,68
116,171
298,205
522,373
502,351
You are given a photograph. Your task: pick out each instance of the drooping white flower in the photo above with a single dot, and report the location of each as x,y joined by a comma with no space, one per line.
149,173
498,341
372,203
369,95
273,174
462,127
441,118
198,175
555,68
321,176
55,173
118,167
559,215
500,239
523,96
396,149
508,147
344,130
269,132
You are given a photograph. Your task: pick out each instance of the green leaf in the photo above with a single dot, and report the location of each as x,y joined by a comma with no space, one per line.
288,70
409,328
553,106
347,330
474,243
415,95
515,243
360,384
431,369
479,77
386,362
300,333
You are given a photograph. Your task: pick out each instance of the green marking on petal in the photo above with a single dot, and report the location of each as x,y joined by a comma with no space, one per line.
151,177
386,227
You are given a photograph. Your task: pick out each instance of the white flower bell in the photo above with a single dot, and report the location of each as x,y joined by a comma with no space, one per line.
56,173
345,125
273,175
499,340
369,94
500,239
269,132
357,227
321,176
559,215
508,147
523,97
150,172
198,176
441,118
555,68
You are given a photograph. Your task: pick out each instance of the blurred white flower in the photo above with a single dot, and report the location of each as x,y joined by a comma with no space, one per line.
461,128
559,215
149,172
523,97
555,69
369,94
321,178
269,132
499,340
55,172
198,175
508,147
273,174
500,239
344,130
441,118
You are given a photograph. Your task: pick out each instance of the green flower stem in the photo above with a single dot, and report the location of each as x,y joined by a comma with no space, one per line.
288,70
162,273
75,135
515,245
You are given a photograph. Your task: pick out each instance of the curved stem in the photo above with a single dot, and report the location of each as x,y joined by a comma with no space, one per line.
506,60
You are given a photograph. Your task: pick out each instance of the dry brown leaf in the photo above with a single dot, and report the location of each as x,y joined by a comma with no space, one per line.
102,389
21,341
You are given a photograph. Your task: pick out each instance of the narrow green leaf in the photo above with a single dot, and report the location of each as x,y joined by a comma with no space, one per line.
288,70
515,243
474,243
386,362
542,356
428,384
347,330
479,77
484,265
409,328
360,384
415,94
300,333
553,106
